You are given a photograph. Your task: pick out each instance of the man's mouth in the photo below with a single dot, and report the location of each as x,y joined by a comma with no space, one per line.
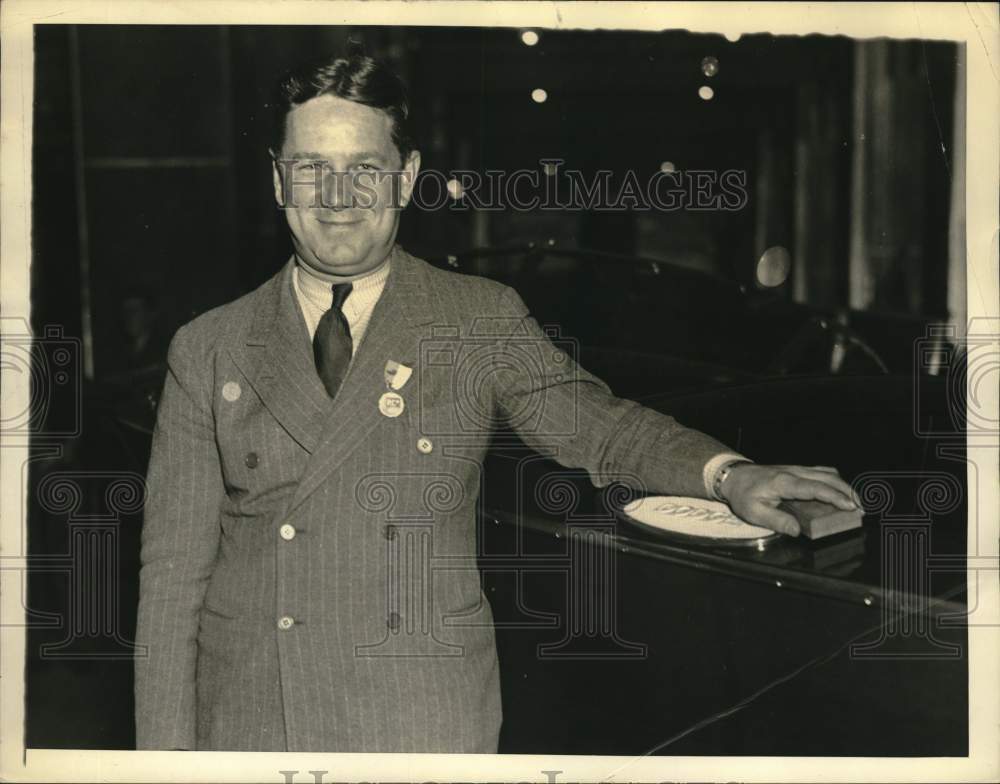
339,221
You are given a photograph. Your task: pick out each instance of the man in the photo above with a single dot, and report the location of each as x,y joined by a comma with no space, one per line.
299,420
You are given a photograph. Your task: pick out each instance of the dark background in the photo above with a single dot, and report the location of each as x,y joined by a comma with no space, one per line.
152,202
151,161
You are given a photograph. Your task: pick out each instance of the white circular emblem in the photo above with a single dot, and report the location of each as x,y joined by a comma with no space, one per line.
694,517
231,391
391,404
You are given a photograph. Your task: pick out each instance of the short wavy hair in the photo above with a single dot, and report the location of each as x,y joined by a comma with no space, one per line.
353,76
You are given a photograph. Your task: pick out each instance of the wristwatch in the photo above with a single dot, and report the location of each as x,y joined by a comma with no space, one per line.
723,474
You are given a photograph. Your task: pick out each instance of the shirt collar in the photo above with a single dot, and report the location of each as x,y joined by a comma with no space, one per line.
320,292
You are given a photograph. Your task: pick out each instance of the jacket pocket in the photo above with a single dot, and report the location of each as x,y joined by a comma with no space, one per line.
216,612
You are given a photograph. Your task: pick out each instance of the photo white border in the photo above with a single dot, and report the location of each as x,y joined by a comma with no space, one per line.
976,24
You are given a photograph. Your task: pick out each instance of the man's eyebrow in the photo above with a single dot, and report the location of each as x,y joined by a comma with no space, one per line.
369,154
315,156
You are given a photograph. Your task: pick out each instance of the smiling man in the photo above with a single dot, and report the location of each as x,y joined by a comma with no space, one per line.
298,422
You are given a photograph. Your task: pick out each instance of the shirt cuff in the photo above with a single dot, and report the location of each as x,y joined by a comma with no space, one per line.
712,468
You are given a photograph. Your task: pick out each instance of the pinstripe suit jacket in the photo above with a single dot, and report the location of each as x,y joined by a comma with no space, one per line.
267,501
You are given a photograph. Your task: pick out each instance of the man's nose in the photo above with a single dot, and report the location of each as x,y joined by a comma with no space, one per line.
337,190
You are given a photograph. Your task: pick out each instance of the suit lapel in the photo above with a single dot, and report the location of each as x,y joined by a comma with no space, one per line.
277,360
393,333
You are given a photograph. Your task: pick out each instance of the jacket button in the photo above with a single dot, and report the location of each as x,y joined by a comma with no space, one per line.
393,621
389,532
285,622
287,532
425,445
251,460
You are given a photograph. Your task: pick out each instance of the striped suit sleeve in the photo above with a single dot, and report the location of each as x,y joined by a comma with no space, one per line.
560,409
180,539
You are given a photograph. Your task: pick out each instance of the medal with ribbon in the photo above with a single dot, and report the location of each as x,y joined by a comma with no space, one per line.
391,403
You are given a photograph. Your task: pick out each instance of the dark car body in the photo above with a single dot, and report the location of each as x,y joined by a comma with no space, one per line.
618,639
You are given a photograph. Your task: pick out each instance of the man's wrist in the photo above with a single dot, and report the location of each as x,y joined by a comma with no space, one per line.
723,474
710,471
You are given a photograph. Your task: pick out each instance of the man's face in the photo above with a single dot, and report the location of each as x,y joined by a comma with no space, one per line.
347,225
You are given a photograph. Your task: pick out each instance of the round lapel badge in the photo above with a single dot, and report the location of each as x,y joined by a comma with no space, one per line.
391,404
231,391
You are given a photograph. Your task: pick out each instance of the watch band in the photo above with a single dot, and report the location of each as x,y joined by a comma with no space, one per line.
723,474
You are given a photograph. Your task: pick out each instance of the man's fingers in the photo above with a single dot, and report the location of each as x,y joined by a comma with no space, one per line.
801,489
794,468
775,519
832,479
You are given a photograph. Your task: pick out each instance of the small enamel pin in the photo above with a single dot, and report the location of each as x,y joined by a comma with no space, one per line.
396,375
391,403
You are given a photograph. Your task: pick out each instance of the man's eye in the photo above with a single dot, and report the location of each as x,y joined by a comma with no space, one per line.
367,167
308,168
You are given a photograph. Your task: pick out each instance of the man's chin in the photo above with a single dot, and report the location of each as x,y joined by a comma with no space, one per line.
343,262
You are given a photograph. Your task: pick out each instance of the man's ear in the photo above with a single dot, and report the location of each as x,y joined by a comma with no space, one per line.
277,172
411,168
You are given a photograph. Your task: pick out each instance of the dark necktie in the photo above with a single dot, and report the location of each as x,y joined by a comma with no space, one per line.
332,342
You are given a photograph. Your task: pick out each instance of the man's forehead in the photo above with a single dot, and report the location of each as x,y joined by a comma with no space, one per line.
334,119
